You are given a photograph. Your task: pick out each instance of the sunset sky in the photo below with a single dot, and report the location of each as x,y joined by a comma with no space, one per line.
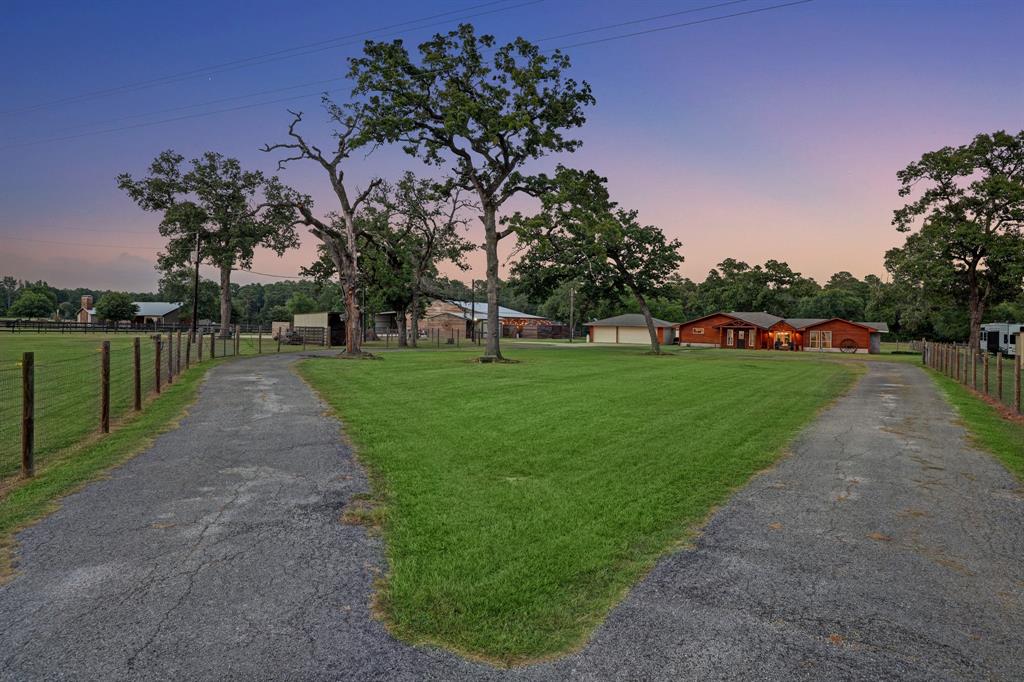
776,134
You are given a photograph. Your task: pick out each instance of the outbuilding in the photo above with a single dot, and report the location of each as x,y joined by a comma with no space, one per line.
629,328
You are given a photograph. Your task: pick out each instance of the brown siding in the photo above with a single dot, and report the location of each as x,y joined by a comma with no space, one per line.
841,330
710,335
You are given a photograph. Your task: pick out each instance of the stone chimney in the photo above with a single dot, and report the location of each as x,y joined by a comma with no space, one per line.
87,302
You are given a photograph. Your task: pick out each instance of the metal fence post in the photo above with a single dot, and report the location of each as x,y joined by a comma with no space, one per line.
156,360
137,374
28,414
188,350
105,387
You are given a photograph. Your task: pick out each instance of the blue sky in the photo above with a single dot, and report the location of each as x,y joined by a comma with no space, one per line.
772,135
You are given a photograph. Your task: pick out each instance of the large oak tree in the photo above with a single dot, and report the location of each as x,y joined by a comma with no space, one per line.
581,234
217,202
487,109
970,204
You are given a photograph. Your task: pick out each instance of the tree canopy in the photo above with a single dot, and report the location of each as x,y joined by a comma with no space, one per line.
219,203
969,204
580,234
488,109
116,306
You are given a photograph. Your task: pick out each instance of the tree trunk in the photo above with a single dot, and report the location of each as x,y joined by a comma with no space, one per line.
403,338
493,348
649,319
414,321
977,309
225,301
353,338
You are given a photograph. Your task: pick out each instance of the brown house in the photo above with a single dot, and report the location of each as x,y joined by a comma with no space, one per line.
764,331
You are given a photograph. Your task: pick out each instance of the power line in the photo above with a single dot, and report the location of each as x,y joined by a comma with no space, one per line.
632,22
146,124
288,99
682,25
288,53
207,103
267,274
73,244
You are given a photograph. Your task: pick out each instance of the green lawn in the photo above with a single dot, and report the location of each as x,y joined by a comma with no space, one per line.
521,501
988,428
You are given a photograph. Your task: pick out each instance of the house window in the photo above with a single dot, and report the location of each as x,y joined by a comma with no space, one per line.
812,339
698,331
728,337
826,339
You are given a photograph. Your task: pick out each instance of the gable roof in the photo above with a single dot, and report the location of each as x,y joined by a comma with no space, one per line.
766,320
155,308
763,320
478,310
628,320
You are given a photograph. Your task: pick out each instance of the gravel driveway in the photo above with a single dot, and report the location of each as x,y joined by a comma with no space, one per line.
883,547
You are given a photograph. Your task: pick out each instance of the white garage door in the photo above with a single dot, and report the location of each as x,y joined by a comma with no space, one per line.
634,335
604,334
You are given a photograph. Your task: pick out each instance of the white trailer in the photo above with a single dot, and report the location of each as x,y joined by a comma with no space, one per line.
1001,337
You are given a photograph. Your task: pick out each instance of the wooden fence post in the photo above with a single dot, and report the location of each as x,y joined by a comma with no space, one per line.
259,341
137,374
985,378
28,414
999,374
170,359
156,360
213,346
188,350
177,355
956,350
974,369
105,387
1018,363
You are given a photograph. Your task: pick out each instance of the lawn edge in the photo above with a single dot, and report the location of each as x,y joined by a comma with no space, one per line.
183,394
379,495
979,418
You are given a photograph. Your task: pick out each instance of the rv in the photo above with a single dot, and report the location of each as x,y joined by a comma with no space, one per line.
1001,337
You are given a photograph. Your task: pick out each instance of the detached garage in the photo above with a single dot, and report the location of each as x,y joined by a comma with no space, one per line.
631,328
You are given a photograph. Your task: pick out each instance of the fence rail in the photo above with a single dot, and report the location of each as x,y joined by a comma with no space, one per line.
73,327
51,401
996,376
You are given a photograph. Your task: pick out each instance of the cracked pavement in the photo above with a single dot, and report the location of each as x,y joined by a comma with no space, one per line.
883,547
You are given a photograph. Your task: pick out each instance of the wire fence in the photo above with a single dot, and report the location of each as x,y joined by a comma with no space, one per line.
996,376
76,390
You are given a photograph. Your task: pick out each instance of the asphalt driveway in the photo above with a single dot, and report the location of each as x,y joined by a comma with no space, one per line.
883,547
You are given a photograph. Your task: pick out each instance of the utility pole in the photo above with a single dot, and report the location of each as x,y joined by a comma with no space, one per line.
195,288
572,295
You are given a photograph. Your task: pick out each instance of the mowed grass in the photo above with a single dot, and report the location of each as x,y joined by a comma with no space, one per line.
521,501
991,431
